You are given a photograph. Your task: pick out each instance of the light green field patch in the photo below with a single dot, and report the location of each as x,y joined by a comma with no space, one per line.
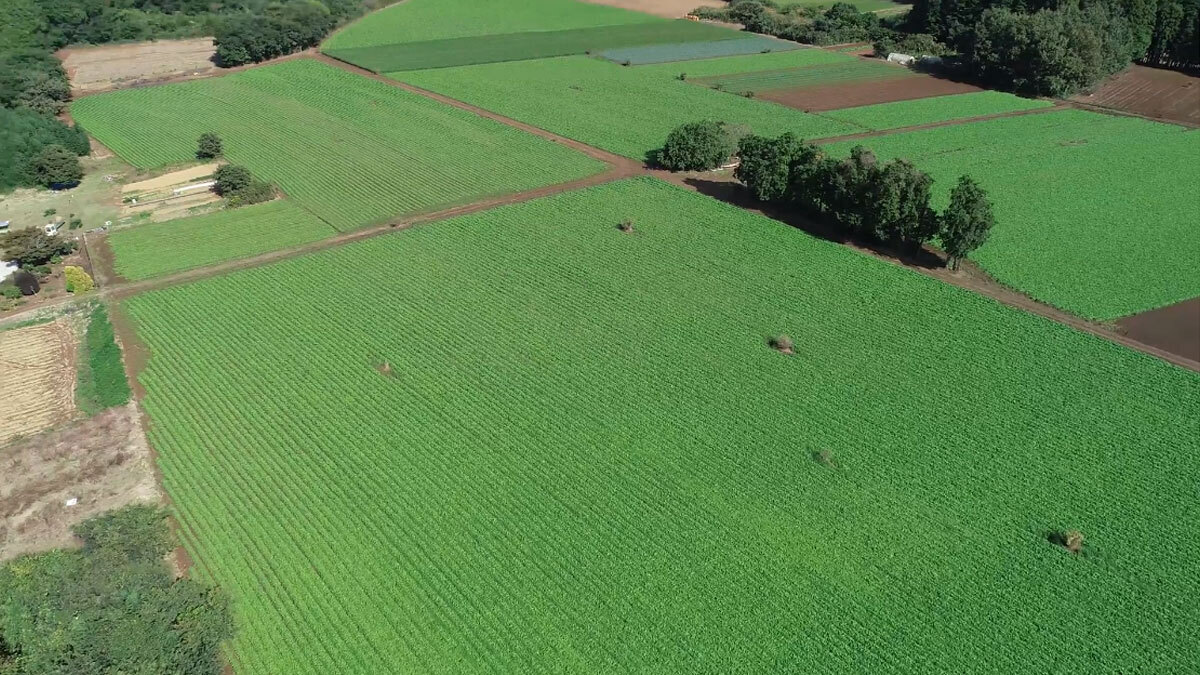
583,457
628,111
348,149
935,109
1095,214
420,20
155,249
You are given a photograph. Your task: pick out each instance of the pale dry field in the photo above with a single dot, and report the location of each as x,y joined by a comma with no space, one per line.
102,462
37,377
671,9
93,69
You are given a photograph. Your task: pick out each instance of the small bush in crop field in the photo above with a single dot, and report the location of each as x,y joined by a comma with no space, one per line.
783,344
626,225
1072,540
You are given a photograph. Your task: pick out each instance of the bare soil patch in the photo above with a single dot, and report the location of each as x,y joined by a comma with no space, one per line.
37,377
868,92
1152,92
93,69
671,9
171,195
102,463
1175,328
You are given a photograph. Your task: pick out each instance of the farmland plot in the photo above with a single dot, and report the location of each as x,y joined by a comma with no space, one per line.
541,444
1094,214
689,51
521,46
837,72
350,150
936,109
155,249
591,100
422,20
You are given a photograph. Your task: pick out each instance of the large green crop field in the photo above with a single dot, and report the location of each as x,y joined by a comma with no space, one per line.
626,110
348,149
934,109
586,459
1095,214
529,45
845,70
421,20
155,249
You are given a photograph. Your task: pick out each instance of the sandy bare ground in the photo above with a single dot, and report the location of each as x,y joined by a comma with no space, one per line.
37,377
181,177
102,462
671,9
93,69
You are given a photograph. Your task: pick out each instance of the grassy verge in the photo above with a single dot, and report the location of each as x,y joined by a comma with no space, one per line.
100,381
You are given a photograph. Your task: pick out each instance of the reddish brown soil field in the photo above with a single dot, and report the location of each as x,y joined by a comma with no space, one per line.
1153,92
1174,328
849,95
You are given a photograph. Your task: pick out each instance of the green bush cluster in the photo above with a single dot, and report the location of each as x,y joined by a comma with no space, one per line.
240,187
112,607
101,382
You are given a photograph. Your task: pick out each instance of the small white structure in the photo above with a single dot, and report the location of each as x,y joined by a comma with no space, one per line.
4,225
7,268
902,59
53,228
189,188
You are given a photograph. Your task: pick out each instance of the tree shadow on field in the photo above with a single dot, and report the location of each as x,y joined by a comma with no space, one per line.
734,193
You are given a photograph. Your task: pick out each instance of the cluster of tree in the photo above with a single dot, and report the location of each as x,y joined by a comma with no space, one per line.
841,22
31,247
1058,47
112,607
38,150
278,30
868,200
239,187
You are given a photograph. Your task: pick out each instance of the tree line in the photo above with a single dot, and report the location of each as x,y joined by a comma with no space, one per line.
1058,47
841,22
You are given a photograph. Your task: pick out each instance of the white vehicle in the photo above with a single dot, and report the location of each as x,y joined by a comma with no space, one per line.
52,228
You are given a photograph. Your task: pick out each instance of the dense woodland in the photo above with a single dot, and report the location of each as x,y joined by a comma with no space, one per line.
34,87
1038,47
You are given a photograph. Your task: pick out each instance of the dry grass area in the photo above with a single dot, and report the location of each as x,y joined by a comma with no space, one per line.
93,69
672,9
103,462
37,377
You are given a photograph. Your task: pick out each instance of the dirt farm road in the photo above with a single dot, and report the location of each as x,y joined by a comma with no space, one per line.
619,168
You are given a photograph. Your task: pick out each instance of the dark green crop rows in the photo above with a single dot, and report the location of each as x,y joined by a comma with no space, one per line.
100,382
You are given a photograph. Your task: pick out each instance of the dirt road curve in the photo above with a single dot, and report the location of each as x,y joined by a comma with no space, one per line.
623,167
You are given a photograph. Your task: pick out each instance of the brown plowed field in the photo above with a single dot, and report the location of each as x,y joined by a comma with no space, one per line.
1153,92
94,69
37,376
851,94
1174,328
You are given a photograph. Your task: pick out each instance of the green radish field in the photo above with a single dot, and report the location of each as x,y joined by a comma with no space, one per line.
837,72
155,249
349,150
1095,214
524,441
422,20
625,110
934,109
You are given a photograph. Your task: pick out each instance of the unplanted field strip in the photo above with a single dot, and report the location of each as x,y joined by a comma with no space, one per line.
691,51
525,46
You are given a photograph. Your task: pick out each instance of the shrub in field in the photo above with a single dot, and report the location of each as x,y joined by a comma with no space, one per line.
783,344
231,179
696,146
10,292
1072,540
78,281
209,146
825,458
626,225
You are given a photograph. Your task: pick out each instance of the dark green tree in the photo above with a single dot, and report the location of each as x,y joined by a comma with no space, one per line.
209,146
966,222
697,146
231,179
32,246
897,205
112,607
56,167
765,164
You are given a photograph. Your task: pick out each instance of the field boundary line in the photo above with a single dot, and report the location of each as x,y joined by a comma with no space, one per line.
1058,105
